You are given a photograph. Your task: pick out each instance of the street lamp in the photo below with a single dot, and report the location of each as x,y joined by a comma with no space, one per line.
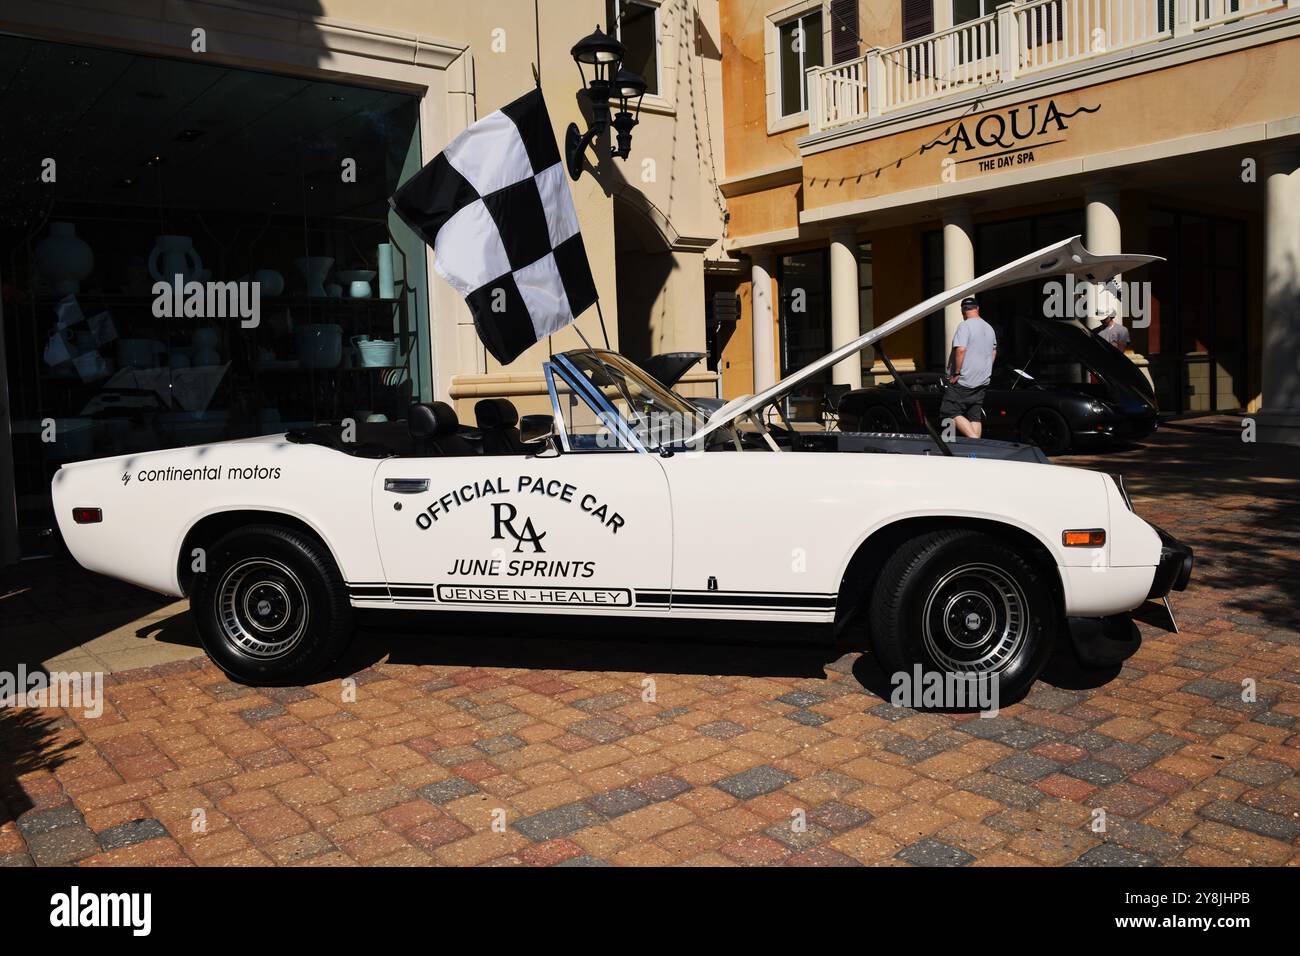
629,87
603,55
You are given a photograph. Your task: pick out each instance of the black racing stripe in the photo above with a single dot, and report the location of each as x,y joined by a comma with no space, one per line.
794,594
768,604
772,600
734,600
413,592
738,600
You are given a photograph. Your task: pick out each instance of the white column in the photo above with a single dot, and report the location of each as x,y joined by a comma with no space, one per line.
844,305
1102,235
763,325
1279,418
958,265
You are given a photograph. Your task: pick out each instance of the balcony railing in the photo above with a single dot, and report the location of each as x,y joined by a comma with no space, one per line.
1019,39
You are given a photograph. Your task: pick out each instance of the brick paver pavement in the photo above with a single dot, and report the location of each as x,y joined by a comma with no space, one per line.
490,749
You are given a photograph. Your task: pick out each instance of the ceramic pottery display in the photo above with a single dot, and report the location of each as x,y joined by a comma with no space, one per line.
173,256
64,259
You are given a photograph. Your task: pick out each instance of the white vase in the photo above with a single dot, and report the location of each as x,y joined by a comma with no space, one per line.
384,261
174,256
64,259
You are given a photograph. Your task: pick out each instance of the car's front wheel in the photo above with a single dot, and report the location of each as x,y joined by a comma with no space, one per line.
967,606
1047,429
271,608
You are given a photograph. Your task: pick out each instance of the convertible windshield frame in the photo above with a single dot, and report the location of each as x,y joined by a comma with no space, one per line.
582,389
660,419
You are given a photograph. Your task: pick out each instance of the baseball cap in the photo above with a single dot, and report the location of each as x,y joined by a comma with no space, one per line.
968,303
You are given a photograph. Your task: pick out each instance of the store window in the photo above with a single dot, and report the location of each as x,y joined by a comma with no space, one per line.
800,47
224,177
963,11
1197,336
636,24
805,323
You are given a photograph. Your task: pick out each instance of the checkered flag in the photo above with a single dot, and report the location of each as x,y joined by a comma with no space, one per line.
496,209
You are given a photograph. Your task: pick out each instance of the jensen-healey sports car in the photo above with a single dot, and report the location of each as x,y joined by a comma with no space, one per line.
972,558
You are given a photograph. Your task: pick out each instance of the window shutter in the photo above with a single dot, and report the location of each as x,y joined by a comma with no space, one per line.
844,30
918,18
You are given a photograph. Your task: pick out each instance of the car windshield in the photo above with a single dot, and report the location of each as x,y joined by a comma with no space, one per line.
660,418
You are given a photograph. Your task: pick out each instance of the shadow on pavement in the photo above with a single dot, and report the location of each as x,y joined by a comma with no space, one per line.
1236,503
178,629
581,644
27,744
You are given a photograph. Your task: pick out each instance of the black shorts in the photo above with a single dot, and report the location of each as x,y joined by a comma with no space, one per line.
961,400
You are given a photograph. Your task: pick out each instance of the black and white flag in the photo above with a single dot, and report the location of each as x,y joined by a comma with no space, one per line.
496,208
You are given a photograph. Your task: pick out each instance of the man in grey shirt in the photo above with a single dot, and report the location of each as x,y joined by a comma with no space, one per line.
974,347
1114,332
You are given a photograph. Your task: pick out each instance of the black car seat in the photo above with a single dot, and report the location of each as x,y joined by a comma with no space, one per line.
498,421
435,431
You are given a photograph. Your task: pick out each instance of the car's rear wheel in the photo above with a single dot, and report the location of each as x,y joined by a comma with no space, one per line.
1047,429
966,604
271,608
878,418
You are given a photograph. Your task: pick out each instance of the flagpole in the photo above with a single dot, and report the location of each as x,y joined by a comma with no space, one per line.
603,330
537,30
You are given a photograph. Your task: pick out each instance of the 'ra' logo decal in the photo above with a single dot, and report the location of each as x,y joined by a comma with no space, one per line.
503,518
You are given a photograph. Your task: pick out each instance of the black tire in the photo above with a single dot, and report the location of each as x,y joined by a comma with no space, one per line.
878,418
971,586
1046,428
272,607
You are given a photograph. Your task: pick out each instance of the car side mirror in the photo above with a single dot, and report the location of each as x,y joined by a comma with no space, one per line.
538,431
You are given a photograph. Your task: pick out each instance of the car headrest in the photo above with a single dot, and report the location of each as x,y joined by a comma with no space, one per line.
432,420
496,413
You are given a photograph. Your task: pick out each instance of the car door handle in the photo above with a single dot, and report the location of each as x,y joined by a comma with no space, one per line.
406,486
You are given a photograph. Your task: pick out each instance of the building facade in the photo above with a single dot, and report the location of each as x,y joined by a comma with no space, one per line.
231,140
878,151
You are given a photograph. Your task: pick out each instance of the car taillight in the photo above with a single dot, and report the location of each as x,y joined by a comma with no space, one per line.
87,515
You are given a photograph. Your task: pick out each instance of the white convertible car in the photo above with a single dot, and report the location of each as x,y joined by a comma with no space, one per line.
965,557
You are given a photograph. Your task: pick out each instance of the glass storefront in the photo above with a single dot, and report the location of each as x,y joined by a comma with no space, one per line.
121,170
1196,341
805,322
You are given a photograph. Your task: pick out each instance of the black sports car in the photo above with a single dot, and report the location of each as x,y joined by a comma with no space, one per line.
1082,390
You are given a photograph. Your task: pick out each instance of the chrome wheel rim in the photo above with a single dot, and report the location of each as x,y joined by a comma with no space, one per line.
975,620
262,607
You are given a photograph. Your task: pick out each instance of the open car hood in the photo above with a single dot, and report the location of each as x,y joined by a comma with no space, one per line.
1066,256
669,367
1098,355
